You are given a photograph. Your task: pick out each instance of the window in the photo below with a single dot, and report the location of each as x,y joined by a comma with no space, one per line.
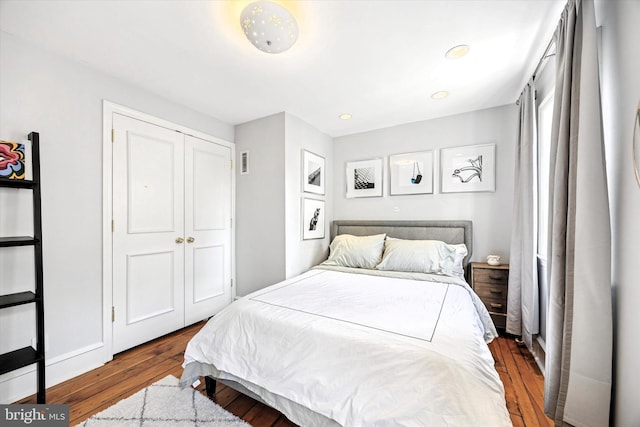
545,115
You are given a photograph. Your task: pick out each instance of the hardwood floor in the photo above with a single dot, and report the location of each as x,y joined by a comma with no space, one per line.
523,382
139,367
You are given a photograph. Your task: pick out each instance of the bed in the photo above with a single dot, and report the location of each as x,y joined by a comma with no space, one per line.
385,332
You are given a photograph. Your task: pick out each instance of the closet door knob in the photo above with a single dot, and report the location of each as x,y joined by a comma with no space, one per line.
179,240
190,240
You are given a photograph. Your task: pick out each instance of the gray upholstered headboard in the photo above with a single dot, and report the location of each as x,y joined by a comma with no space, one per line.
452,232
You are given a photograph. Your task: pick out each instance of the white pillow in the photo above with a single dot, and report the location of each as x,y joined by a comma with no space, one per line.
453,266
356,251
422,256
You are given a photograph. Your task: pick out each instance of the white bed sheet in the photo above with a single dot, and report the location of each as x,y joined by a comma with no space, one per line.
359,350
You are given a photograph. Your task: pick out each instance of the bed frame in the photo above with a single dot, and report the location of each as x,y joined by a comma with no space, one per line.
452,232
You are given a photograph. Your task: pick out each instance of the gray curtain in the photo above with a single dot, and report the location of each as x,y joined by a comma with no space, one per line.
579,328
522,308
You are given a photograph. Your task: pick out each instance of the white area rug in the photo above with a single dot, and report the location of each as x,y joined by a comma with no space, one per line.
164,404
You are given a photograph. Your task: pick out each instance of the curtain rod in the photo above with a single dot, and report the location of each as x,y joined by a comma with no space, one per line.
545,55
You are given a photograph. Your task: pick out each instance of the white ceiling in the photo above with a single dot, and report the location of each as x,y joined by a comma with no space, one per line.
378,60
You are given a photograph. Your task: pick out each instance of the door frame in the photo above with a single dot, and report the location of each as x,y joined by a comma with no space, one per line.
108,109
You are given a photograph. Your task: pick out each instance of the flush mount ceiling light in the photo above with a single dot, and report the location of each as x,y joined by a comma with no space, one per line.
457,51
345,116
269,26
440,94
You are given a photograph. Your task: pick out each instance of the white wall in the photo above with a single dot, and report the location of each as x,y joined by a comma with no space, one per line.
303,254
490,212
268,201
63,101
620,97
260,204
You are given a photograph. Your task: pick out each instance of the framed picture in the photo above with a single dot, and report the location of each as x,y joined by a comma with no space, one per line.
312,173
364,178
312,219
470,168
411,173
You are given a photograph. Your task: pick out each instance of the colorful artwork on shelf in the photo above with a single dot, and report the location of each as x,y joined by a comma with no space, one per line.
12,160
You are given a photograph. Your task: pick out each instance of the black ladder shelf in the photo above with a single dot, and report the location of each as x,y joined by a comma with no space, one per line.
28,355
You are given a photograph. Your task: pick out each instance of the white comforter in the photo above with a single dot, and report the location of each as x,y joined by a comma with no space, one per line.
358,350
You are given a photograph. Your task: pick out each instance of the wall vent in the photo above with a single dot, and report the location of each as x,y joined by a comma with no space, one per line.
244,163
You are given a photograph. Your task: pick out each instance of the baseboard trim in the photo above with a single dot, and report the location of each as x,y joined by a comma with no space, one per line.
539,352
21,383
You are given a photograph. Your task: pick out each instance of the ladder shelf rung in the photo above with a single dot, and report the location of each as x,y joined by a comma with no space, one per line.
11,300
17,183
18,359
17,241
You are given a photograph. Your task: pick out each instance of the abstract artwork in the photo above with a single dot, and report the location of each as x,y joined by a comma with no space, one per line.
12,160
364,178
312,219
312,173
411,173
470,168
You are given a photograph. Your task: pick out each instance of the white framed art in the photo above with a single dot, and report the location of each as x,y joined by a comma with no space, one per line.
411,173
312,173
469,168
364,178
312,219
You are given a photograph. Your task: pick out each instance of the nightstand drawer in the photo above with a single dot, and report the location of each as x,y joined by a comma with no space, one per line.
495,305
486,275
491,290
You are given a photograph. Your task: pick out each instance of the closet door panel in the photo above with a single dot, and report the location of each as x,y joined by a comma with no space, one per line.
208,282
207,227
208,177
150,184
148,232
150,286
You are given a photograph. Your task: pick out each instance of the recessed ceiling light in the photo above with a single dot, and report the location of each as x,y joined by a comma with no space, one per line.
345,116
440,94
457,51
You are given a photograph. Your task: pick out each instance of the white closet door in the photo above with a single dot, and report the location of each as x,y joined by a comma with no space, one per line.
207,228
148,234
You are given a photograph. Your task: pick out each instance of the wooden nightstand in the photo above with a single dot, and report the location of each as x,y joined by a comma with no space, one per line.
491,283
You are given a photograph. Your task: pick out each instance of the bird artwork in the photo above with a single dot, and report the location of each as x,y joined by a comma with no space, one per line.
467,173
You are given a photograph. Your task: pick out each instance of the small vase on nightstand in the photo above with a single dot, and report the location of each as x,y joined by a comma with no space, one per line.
493,260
